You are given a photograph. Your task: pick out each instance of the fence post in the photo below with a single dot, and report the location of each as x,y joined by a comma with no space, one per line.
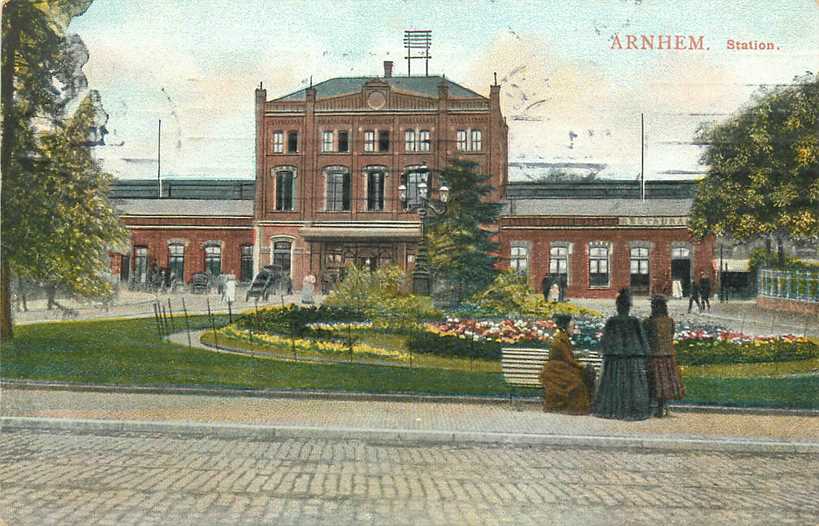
230,311
212,325
156,319
170,313
164,317
187,322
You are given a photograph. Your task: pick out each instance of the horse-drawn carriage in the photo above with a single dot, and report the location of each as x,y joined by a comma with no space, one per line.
268,279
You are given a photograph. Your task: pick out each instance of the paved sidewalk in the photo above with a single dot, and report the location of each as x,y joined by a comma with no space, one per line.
398,420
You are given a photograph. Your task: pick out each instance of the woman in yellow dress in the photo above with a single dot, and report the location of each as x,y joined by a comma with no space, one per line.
567,385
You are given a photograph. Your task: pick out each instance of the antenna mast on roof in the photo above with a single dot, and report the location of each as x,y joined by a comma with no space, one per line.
420,39
642,160
159,157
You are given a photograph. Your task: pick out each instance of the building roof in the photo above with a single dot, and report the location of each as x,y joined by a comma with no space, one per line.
424,86
598,207
183,207
193,188
601,189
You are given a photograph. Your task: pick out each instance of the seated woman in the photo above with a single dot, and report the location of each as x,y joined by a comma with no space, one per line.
567,386
623,390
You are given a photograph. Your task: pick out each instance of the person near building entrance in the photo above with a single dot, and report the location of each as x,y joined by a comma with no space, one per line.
694,296
664,382
564,284
307,288
623,390
545,285
705,292
567,385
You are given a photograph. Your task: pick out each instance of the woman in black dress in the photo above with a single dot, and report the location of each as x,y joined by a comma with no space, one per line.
623,391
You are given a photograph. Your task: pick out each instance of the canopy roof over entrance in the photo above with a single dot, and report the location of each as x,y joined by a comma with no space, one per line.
352,233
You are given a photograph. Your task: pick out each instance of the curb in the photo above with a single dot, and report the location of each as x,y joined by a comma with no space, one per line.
404,436
304,394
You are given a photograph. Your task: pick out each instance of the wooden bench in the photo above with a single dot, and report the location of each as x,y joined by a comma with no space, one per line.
522,366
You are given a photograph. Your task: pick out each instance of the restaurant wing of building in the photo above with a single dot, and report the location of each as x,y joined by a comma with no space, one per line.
330,159
601,236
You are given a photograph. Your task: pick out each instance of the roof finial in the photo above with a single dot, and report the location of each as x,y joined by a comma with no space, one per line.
311,81
496,78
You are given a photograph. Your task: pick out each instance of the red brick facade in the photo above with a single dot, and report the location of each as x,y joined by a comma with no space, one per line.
579,235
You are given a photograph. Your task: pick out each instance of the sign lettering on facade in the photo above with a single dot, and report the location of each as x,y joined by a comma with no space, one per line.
653,221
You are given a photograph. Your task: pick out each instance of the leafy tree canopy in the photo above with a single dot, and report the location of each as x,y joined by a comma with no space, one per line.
763,168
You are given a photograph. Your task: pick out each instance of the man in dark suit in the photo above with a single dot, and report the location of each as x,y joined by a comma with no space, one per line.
694,295
546,284
705,292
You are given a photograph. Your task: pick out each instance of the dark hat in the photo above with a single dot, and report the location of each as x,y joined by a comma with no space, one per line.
562,320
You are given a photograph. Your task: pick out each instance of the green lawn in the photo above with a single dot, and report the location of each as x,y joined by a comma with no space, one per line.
128,352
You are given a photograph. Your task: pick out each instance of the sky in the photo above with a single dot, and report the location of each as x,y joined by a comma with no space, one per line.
569,95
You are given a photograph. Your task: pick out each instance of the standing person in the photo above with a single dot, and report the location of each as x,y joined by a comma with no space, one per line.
564,284
664,382
694,296
705,292
567,385
307,288
623,391
545,285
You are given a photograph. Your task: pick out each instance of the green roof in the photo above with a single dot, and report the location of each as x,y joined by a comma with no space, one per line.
424,86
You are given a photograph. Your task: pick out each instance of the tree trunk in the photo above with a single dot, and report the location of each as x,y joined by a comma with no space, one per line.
6,325
768,246
780,253
10,43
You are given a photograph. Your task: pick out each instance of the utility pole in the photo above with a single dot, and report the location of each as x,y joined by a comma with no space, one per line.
159,157
642,159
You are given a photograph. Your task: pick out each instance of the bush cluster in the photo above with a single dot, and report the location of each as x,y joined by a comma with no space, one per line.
706,352
452,346
281,320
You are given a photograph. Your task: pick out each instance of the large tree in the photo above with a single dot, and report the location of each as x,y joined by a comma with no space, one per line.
56,220
763,168
462,246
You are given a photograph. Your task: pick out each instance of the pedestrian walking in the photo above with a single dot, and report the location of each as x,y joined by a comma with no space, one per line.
229,289
307,288
705,292
623,391
664,381
567,385
545,285
694,296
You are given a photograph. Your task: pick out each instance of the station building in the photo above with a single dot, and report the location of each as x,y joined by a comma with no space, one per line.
602,235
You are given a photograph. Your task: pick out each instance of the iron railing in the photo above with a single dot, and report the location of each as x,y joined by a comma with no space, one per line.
789,284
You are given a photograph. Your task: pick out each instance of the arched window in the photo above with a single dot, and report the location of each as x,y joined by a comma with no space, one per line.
246,263
376,182
339,191
281,255
213,259
176,260
285,188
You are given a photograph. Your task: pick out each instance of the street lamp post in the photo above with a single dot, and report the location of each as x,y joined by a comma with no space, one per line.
425,205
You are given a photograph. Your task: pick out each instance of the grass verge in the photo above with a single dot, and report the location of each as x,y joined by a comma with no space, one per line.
128,352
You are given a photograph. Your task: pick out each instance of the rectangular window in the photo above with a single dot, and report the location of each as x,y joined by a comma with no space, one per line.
375,190
285,190
246,263
639,260
461,142
414,179
327,141
559,261
176,261
338,191
213,260
409,141
520,259
292,142
598,265
141,264
278,142
475,145
343,141
424,142
369,141
383,140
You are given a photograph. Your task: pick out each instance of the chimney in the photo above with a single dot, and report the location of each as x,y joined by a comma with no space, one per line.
387,69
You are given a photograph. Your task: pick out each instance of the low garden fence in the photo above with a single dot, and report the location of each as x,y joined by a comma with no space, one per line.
789,284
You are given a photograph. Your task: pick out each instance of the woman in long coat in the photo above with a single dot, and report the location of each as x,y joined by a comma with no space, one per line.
623,390
664,381
567,386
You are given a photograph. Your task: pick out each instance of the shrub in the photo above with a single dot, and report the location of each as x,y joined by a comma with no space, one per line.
424,342
510,296
771,349
280,320
378,295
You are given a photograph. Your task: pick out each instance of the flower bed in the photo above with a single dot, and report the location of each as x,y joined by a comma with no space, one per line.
340,349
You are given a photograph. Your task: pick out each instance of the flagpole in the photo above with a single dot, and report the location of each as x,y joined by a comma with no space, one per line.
642,160
159,156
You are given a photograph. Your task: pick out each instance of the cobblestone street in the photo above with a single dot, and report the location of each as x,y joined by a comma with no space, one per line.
121,478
